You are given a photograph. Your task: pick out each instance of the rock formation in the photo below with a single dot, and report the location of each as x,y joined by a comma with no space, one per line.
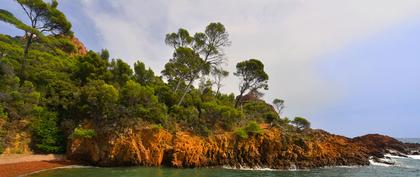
276,148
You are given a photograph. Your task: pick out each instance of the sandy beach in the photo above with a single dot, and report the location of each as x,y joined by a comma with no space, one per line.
12,165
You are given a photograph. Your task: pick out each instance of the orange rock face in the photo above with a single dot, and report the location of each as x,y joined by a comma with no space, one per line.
273,149
80,47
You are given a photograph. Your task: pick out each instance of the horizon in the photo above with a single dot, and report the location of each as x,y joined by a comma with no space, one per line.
352,73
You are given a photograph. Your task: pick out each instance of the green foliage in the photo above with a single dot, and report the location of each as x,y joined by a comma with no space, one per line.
226,116
260,109
301,123
183,114
46,134
252,75
142,75
82,133
140,102
279,104
242,133
120,72
99,100
253,127
91,67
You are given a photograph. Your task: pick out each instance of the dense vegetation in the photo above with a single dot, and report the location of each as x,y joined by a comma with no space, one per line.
49,87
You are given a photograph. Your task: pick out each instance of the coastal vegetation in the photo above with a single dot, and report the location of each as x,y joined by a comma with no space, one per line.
53,90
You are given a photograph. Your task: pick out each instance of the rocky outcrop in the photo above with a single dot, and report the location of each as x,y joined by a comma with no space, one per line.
377,145
80,48
274,149
413,148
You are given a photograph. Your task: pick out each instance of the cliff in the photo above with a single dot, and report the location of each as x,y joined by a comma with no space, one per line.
276,148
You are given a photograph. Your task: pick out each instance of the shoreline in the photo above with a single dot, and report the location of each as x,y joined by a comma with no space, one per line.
13,165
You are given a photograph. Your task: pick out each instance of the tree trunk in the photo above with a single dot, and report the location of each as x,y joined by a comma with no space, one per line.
25,57
185,92
177,85
239,99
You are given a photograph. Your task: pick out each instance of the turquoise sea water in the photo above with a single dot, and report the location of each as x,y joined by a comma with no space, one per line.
405,167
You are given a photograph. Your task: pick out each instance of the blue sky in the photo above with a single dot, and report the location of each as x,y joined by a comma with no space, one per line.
351,67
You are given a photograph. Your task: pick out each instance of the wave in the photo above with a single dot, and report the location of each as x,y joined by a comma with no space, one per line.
417,157
245,168
378,164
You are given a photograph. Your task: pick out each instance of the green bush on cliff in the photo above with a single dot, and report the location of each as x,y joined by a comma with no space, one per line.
82,133
254,127
240,132
260,110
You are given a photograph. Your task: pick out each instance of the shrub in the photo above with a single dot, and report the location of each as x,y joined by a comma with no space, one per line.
184,114
271,117
156,126
260,109
240,132
82,133
253,127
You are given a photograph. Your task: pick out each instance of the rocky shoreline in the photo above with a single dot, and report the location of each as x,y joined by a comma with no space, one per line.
274,149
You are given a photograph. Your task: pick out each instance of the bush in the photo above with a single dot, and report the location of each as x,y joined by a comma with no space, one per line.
240,132
261,110
46,135
271,117
253,127
82,133
183,114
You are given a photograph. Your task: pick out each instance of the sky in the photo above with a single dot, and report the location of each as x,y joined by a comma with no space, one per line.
351,67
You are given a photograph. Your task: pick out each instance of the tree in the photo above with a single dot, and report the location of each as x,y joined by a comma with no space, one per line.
208,45
301,123
142,75
140,102
218,75
185,66
279,104
91,67
99,100
43,18
120,72
253,77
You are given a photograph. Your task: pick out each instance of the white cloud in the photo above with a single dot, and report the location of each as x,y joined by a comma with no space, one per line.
290,36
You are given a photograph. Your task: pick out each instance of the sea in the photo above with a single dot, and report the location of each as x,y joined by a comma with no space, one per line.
404,167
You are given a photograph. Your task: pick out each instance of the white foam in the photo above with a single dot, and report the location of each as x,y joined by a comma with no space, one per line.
249,168
394,156
417,157
245,168
378,164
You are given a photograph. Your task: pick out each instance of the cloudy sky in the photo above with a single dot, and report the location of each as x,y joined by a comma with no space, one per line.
350,66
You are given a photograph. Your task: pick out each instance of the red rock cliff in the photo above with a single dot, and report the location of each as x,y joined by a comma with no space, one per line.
274,149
